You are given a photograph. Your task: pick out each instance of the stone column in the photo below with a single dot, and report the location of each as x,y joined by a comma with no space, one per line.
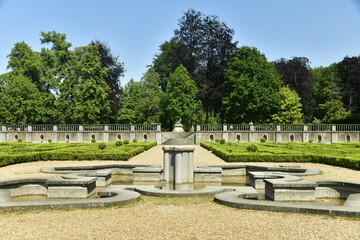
54,135
158,134
334,134
178,164
278,134
3,134
106,134
305,134
29,134
132,133
81,134
251,134
225,134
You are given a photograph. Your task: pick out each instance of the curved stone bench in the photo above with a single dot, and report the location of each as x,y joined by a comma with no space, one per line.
109,197
241,200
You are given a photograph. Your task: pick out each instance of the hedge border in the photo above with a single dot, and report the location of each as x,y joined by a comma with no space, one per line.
53,155
334,161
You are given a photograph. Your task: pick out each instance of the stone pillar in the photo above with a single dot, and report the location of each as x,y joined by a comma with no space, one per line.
29,134
106,134
158,134
132,133
251,134
54,135
81,134
334,134
3,134
178,164
278,134
305,134
225,134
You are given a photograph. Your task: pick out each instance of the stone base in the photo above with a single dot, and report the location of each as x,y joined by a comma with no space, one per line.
68,192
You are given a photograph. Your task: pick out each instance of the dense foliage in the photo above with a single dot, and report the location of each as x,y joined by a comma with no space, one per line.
223,83
251,88
342,155
11,153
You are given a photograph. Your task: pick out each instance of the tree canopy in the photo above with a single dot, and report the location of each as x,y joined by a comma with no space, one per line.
199,75
251,89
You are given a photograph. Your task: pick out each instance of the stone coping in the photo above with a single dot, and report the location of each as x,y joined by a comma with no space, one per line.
154,191
179,148
73,169
293,170
109,197
240,199
213,170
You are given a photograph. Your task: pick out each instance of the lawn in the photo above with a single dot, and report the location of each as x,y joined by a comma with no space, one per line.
341,154
11,153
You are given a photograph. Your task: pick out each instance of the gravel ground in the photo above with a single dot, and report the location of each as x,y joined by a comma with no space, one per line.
172,218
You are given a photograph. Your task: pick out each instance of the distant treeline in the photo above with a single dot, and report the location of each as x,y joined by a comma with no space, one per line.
200,75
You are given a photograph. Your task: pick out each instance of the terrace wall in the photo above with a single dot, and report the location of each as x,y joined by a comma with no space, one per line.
81,133
319,133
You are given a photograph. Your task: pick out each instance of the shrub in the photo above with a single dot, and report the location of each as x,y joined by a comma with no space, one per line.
118,143
252,148
19,140
126,142
134,140
217,140
221,141
262,140
93,140
49,140
102,146
310,140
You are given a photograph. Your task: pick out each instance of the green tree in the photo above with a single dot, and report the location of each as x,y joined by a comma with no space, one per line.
334,111
182,102
251,89
142,101
84,94
326,83
290,108
203,45
349,73
21,102
116,70
295,73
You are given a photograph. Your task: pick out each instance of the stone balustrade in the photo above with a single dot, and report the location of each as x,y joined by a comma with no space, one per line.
318,133
81,133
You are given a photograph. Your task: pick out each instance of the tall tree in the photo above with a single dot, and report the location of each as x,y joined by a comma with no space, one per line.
171,55
21,102
296,74
203,45
326,83
290,108
24,61
116,71
333,111
84,95
251,89
349,73
181,100
142,101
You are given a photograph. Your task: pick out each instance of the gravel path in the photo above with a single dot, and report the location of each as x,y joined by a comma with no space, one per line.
172,218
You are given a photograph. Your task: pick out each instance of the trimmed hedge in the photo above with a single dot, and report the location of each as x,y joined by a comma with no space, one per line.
11,153
230,155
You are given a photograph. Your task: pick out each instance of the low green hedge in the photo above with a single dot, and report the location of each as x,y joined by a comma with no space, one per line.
229,153
12,153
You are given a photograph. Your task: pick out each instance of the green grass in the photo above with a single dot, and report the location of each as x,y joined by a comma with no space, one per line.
343,155
12,153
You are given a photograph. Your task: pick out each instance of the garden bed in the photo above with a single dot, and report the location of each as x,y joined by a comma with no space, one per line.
342,155
12,153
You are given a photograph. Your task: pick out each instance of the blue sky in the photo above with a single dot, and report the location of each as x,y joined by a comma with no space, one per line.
325,31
